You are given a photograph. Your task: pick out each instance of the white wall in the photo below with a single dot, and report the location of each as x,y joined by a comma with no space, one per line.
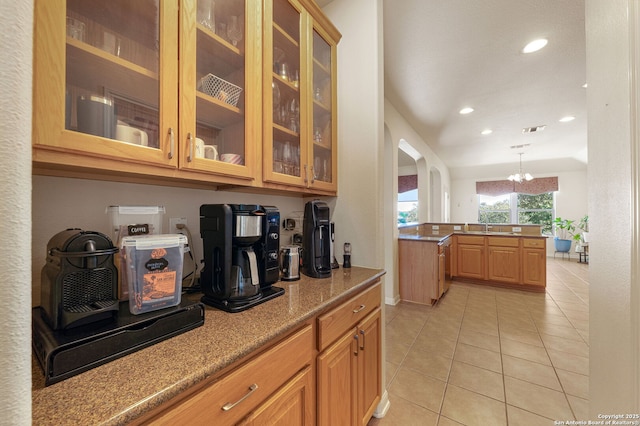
358,210
16,23
613,65
399,131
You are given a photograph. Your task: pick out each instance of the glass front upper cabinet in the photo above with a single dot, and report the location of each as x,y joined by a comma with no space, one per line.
285,71
108,98
323,122
219,137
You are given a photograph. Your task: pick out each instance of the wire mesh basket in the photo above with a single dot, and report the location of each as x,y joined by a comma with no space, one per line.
220,89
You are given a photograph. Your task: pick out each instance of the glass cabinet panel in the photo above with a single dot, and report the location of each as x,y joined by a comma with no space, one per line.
112,70
287,150
322,110
220,82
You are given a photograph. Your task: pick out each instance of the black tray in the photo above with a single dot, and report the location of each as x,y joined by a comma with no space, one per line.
63,354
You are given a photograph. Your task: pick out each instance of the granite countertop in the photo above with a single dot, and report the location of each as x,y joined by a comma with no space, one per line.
123,389
438,238
429,238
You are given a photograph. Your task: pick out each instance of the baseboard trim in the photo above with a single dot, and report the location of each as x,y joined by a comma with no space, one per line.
383,406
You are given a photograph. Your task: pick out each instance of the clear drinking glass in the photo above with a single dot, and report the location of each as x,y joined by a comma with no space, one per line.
206,14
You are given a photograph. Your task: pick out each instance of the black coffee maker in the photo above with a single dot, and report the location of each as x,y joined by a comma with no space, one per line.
240,254
316,240
79,281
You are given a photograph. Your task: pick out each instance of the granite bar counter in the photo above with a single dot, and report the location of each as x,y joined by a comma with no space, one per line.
124,389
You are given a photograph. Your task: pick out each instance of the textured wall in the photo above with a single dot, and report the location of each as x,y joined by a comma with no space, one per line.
613,381
16,23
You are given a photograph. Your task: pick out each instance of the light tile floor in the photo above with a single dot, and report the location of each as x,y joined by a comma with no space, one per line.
491,356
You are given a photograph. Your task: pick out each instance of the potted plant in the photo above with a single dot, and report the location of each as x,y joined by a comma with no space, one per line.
564,234
580,233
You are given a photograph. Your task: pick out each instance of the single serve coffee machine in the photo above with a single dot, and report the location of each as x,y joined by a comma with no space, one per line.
240,255
316,240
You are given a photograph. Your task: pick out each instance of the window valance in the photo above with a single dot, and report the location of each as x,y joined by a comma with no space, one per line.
407,183
532,187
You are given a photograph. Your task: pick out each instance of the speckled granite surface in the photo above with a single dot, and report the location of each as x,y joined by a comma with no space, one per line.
436,238
121,390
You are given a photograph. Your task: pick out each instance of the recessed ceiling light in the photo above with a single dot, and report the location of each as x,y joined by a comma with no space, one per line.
535,45
567,119
584,86
466,110
487,131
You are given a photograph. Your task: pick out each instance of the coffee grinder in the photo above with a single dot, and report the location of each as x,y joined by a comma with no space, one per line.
237,244
316,240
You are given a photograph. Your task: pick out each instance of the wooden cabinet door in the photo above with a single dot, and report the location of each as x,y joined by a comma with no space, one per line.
291,405
220,111
471,261
299,96
504,264
323,161
285,94
369,366
442,272
337,382
105,89
534,267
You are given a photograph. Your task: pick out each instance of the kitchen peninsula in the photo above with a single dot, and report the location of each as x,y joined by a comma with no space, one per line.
511,256
170,375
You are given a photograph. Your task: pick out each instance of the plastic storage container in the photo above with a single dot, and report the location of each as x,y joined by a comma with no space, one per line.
154,270
134,220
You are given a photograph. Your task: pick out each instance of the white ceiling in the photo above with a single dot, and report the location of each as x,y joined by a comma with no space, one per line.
440,56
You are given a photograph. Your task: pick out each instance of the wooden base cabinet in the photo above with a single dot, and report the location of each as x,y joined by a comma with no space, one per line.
291,405
504,259
471,257
418,271
349,376
517,262
271,385
534,262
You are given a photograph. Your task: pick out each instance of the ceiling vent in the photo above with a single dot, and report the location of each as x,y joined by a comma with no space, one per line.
533,129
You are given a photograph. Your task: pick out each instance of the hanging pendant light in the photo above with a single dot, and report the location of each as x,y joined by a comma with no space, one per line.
520,176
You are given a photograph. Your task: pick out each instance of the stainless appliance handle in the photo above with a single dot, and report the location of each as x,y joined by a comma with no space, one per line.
190,141
171,143
229,405
355,311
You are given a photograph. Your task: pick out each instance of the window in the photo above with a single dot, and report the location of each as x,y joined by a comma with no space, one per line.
520,209
408,207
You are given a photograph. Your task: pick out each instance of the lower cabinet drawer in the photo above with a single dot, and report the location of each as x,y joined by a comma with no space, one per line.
235,395
334,323
533,243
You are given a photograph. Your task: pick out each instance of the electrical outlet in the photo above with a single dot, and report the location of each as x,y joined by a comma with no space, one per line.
516,229
457,227
174,222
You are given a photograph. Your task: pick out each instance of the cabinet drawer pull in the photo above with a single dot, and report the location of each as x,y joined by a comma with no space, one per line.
355,311
355,350
362,341
228,406
171,143
306,177
190,140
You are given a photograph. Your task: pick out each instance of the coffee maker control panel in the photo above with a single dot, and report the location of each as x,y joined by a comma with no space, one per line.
272,245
